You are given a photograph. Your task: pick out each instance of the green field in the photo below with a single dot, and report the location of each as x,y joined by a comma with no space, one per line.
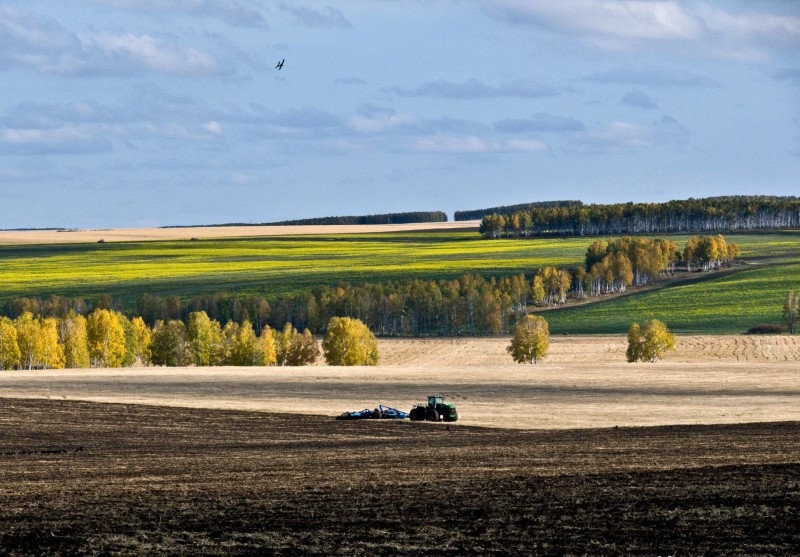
273,266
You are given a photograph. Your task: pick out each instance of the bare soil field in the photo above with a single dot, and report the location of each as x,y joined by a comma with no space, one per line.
584,382
250,461
82,478
208,232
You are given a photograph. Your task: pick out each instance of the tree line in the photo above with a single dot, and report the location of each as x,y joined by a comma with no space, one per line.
468,305
389,218
105,338
476,214
728,213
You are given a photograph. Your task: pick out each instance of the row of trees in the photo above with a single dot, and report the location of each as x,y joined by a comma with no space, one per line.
389,218
106,338
469,305
612,266
713,214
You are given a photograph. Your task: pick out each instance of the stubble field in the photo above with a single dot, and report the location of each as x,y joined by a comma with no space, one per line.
584,457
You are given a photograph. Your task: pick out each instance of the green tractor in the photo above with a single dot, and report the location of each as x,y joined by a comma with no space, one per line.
437,410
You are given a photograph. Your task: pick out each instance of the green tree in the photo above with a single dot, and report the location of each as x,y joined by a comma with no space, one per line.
635,341
348,342
293,348
106,337
244,348
169,345
791,310
9,347
73,337
650,342
530,341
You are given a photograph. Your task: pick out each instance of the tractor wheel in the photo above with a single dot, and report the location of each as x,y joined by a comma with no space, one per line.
433,415
414,415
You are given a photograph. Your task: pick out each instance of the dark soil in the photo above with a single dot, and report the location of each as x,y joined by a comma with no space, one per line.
98,479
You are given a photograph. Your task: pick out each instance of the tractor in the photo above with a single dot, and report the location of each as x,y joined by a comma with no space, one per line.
437,410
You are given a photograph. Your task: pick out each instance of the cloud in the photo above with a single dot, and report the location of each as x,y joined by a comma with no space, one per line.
350,81
605,19
627,24
638,99
40,43
652,77
617,137
370,120
540,122
35,41
61,140
229,11
474,89
470,144
114,54
327,17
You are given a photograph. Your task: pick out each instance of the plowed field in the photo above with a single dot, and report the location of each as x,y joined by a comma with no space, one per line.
586,455
80,478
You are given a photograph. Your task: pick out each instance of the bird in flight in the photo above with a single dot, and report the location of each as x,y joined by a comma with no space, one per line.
280,64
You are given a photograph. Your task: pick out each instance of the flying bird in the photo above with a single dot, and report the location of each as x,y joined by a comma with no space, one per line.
280,64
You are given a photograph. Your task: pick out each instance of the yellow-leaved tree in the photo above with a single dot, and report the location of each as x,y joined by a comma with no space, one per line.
649,342
349,342
106,337
530,341
9,348
73,337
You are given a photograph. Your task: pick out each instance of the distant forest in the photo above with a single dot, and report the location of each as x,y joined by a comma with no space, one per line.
390,218
477,214
713,214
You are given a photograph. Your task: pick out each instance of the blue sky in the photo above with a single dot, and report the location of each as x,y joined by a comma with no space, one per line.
133,113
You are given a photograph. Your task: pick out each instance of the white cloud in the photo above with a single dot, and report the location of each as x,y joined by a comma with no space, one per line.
618,136
324,17
213,127
473,144
380,122
628,24
148,52
65,139
606,19
229,11
474,89
451,144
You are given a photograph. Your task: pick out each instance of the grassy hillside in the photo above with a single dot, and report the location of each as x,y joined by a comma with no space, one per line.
277,265
269,266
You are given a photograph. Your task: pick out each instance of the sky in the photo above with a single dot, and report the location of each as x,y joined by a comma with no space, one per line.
140,113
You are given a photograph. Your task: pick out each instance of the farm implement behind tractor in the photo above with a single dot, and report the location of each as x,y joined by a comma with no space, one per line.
381,412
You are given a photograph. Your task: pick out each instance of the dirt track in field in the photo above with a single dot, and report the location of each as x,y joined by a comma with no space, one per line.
95,479
584,383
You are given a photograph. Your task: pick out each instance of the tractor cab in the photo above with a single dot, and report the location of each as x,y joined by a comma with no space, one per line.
435,400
